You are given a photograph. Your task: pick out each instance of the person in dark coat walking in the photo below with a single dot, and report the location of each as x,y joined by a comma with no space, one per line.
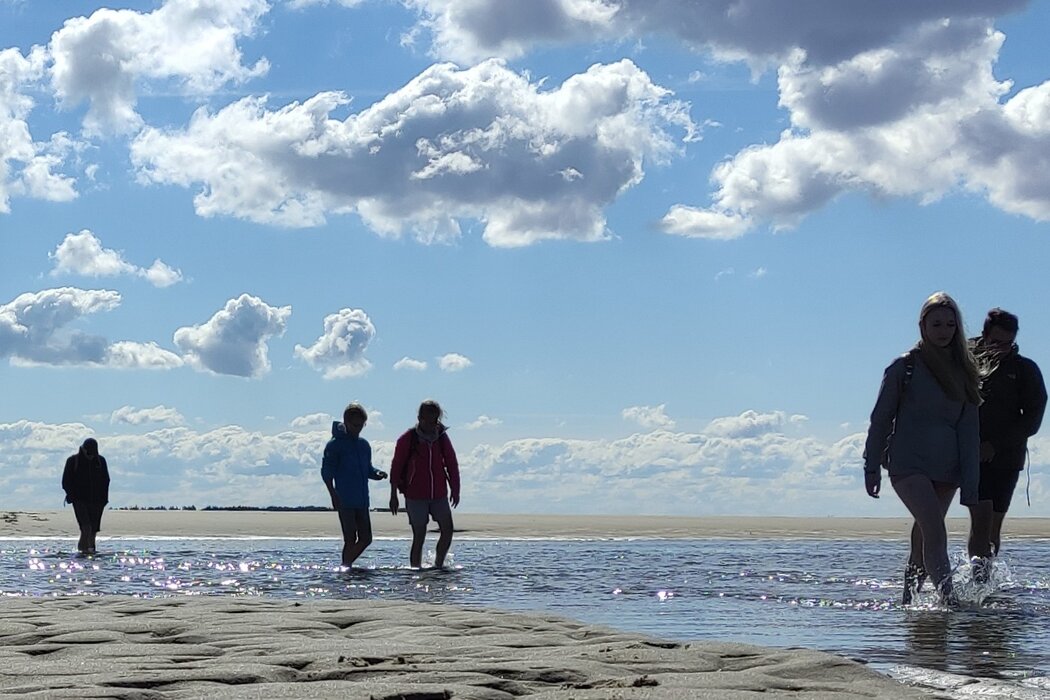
85,480
924,432
1014,402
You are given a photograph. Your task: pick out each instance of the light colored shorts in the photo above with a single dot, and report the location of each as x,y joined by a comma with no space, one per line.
420,510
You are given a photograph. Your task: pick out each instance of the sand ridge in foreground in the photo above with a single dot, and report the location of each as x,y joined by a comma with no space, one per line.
176,523
188,647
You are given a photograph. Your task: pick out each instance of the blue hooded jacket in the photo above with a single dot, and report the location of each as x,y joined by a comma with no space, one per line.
348,461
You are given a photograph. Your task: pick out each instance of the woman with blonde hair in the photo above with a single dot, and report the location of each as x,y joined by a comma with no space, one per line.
924,432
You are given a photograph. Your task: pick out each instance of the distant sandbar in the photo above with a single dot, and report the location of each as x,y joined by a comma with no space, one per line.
177,523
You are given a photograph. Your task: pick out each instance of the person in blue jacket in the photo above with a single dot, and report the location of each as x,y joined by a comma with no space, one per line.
345,470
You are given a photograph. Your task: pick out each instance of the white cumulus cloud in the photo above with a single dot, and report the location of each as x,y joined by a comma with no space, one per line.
649,416
188,44
410,363
82,254
29,167
234,340
34,330
454,362
130,415
483,421
477,144
312,421
752,424
339,352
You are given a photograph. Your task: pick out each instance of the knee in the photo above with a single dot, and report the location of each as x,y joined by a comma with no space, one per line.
364,540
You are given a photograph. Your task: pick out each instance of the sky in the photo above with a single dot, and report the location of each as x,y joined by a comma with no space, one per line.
651,256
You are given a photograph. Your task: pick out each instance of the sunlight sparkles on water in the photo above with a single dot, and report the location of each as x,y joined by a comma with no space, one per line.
842,597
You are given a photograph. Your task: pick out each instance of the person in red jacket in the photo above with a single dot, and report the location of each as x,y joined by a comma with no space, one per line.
424,468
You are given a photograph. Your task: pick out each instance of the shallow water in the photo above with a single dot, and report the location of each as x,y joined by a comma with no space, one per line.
838,596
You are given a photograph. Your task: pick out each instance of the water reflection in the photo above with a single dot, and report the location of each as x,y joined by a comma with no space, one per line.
990,643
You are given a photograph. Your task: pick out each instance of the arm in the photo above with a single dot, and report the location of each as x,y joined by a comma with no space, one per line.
968,436
105,479
448,454
68,478
398,460
882,417
373,473
1033,398
329,462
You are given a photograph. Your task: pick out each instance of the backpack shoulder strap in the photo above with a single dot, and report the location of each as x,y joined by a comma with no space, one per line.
909,369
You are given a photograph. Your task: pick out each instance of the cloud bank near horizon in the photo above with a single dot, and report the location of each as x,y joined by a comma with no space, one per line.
773,467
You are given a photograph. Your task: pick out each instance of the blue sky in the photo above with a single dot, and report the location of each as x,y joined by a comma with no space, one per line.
652,257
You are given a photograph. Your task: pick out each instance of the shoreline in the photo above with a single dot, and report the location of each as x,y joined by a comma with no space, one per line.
315,524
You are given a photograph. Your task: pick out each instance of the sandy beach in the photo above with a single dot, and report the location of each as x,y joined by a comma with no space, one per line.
260,647
160,523
190,647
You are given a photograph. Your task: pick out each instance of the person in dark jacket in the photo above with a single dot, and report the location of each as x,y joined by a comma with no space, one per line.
345,469
1014,402
924,432
425,469
85,480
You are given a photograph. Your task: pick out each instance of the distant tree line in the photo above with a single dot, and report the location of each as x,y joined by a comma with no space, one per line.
237,508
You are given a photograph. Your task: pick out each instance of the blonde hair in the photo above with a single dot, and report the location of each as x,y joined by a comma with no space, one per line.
958,347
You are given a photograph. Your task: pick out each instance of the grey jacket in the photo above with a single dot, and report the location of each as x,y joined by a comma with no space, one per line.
927,432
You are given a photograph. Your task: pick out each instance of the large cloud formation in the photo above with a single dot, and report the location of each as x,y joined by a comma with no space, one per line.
234,340
482,143
33,330
890,98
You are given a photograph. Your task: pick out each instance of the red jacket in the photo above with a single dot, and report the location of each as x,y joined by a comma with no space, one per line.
423,473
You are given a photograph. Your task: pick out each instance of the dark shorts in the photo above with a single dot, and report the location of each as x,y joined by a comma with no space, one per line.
997,486
356,524
89,515
420,510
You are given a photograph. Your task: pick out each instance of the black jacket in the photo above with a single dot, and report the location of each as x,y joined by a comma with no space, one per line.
86,480
1014,402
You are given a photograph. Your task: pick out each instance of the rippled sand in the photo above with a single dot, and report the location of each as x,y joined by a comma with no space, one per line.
262,648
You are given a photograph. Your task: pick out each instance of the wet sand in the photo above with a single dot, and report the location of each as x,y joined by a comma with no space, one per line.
192,647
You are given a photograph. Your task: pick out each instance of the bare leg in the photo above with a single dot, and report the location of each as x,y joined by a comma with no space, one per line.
981,528
915,558
997,532
415,554
444,542
364,538
348,523
928,503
